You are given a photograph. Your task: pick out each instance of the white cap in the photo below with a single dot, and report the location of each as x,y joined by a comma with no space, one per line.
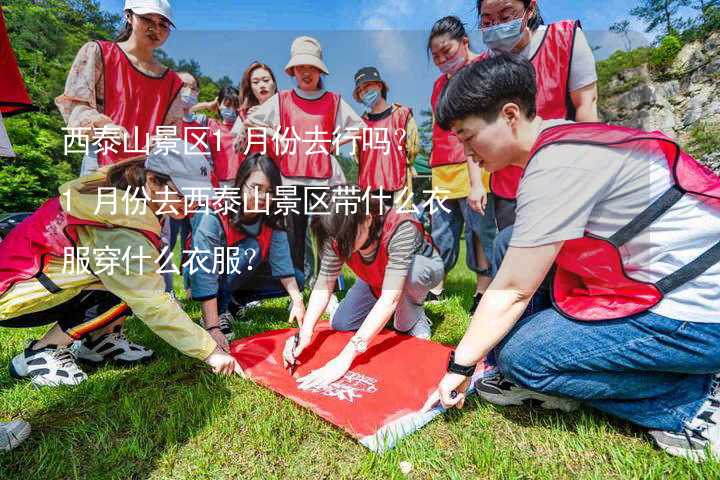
183,163
143,7
306,51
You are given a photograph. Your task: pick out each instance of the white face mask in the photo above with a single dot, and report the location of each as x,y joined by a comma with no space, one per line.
188,98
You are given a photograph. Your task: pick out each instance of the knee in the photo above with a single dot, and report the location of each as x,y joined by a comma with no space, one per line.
524,359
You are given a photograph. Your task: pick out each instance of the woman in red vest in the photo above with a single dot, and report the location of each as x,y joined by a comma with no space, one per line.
388,145
630,223
252,238
85,261
395,264
566,76
117,93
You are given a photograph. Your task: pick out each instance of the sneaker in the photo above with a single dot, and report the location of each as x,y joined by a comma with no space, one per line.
48,366
333,305
700,437
241,310
433,297
499,390
476,302
13,434
114,346
225,322
421,328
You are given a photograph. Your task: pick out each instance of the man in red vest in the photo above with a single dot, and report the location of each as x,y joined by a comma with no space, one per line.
630,223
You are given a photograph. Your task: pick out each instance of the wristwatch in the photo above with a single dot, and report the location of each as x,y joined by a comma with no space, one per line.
459,369
359,344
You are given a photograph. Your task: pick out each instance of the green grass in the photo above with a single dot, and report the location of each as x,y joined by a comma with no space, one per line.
171,418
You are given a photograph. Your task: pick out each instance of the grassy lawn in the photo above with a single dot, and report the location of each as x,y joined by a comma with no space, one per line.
173,419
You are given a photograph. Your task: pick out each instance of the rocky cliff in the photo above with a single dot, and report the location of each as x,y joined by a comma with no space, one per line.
683,102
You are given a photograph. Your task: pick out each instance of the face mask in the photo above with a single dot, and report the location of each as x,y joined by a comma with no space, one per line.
504,37
370,99
228,114
453,65
188,98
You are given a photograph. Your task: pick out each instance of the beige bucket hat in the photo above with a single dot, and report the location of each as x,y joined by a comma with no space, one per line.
306,51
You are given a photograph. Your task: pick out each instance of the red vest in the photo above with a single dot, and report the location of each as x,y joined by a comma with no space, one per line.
552,63
234,235
133,99
310,156
225,161
446,148
590,281
377,168
46,233
13,95
261,143
373,273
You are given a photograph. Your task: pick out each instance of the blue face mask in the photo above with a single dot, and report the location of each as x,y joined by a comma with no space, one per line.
504,37
453,65
228,114
188,99
370,98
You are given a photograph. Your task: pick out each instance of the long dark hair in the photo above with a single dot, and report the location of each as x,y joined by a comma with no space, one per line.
534,22
347,209
262,163
247,96
228,93
126,30
450,25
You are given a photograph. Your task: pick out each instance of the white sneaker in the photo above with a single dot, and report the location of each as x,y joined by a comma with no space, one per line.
422,328
113,346
49,366
499,390
13,434
225,322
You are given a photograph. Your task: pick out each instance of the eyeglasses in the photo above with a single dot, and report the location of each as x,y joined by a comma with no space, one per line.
163,25
507,15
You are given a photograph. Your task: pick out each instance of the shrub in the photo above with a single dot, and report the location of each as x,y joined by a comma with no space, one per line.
663,56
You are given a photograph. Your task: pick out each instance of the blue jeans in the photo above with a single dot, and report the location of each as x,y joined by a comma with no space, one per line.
651,370
447,228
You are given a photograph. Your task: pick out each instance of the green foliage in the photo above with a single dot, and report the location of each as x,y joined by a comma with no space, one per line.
660,15
616,63
704,139
663,56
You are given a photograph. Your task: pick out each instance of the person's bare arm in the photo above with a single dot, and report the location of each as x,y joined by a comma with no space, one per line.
585,101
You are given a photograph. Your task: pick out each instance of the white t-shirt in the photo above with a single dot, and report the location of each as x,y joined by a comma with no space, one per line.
582,65
5,146
567,190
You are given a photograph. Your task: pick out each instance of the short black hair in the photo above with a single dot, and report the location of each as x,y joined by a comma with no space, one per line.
450,25
485,86
229,93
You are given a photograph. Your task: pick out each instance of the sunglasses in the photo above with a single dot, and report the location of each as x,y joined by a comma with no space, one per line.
163,25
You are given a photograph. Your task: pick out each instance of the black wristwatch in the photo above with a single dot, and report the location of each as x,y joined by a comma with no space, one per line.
459,369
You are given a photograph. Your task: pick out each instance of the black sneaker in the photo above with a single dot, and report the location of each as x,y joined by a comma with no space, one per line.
434,297
476,302
700,437
499,390
48,366
225,323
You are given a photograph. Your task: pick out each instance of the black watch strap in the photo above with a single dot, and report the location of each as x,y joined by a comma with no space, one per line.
459,369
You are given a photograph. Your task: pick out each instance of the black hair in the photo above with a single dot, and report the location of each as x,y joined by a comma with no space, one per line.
346,209
451,26
484,87
126,30
263,163
534,22
229,93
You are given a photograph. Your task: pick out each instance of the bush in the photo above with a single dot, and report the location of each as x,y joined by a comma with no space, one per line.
704,139
663,56
616,63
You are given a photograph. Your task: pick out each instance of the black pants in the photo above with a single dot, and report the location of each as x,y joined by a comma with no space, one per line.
78,317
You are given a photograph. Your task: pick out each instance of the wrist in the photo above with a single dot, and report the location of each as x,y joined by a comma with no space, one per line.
459,368
296,298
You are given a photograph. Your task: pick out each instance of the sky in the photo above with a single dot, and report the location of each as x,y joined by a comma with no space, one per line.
224,36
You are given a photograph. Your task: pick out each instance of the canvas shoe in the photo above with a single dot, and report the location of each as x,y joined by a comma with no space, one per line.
114,346
421,329
48,366
13,434
499,390
225,323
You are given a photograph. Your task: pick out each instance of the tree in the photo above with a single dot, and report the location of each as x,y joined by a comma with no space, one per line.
623,28
704,7
659,15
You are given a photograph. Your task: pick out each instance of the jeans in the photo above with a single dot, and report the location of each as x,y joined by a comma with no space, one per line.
425,273
648,369
447,227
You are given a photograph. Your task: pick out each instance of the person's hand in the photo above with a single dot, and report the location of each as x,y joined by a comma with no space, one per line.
331,372
297,312
222,363
291,352
240,140
252,110
116,132
220,339
477,200
450,392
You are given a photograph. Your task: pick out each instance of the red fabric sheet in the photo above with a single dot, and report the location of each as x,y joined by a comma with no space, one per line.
391,380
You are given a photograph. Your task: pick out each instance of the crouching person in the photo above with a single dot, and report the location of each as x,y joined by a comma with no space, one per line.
43,280
248,237
395,264
631,224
